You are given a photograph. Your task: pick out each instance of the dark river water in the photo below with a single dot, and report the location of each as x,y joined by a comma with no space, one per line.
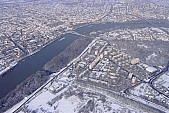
38,60
33,64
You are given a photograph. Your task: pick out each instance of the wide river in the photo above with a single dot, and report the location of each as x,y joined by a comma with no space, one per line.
38,60
33,64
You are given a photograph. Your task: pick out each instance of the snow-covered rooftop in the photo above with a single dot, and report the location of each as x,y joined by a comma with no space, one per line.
151,69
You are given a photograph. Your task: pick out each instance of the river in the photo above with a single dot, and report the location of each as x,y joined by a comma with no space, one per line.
38,60
31,65
131,25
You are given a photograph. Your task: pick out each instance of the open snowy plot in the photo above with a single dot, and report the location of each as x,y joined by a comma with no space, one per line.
69,105
143,89
107,107
41,102
139,90
74,100
163,80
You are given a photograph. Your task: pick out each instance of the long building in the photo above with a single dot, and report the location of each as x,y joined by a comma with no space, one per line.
94,63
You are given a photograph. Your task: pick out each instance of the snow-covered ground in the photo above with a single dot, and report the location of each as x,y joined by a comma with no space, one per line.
40,102
73,103
144,89
163,80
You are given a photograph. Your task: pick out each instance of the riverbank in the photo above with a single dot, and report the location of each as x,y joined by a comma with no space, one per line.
34,81
24,89
58,38
68,55
15,63
7,69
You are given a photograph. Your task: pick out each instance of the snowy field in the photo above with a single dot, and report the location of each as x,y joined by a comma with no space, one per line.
74,100
163,80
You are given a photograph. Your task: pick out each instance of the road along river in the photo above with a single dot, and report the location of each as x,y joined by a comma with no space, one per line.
36,62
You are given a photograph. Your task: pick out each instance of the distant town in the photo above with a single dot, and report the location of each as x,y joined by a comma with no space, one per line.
123,70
